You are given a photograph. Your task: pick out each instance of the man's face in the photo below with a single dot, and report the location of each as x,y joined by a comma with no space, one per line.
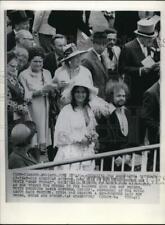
119,98
23,26
147,41
27,40
59,43
112,38
100,46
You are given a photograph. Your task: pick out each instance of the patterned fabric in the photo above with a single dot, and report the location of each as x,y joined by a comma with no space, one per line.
15,96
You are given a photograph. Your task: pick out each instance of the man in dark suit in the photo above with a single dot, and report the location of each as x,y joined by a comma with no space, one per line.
52,60
68,23
151,112
20,21
139,76
151,117
116,129
94,61
21,139
125,29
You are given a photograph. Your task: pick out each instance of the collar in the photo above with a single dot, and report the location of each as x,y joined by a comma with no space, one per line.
120,109
15,32
33,74
96,53
141,45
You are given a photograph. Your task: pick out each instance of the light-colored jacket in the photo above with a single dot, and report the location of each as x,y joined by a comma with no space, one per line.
111,64
40,24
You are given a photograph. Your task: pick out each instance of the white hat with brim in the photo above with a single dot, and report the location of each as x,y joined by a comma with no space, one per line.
145,28
71,51
77,52
80,82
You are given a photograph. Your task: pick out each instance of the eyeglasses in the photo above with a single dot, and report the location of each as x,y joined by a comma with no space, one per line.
31,39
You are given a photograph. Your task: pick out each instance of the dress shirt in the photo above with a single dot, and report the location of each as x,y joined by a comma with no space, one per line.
120,113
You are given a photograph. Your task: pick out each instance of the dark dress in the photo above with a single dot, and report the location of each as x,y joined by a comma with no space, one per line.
15,99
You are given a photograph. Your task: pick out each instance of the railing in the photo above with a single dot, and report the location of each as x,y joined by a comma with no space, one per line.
143,150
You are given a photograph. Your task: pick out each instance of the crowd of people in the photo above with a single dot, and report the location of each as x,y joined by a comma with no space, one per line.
66,101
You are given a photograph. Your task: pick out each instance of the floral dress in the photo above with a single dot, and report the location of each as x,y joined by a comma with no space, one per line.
16,106
70,130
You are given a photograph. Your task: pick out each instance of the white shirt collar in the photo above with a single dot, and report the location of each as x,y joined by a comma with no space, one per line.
120,109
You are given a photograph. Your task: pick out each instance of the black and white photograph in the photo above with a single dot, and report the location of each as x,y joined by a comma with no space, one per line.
83,83
82,105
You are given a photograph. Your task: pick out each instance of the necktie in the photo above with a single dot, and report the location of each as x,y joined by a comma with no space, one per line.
148,51
110,52
102,60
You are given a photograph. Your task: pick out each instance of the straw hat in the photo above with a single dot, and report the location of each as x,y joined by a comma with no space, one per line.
70,51
145,28
23,132
81,81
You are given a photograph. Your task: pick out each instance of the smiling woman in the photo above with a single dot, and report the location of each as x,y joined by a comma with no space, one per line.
34,80
75,134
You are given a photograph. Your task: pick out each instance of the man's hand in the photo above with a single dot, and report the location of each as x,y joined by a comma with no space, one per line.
145,70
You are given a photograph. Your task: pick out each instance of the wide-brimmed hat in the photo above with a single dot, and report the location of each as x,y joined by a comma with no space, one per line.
81,81
18,16
71,51
22,132
145,28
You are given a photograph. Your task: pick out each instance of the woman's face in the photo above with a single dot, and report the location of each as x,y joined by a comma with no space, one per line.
36,64
75,62
80,95
22,61
12,67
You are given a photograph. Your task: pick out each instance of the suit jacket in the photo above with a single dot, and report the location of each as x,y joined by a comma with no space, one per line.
50,63
121,25
68,22
11,43
110,135
18,160
129,65
151,112
98,71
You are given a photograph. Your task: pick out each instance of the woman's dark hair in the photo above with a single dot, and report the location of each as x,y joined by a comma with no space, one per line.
10,56
73,101
113,86
36,51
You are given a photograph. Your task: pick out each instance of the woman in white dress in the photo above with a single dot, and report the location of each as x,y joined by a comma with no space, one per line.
75,134
35,80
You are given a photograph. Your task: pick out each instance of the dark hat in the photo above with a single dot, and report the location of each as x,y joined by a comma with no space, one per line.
18,16
99,35
57,36
23,132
